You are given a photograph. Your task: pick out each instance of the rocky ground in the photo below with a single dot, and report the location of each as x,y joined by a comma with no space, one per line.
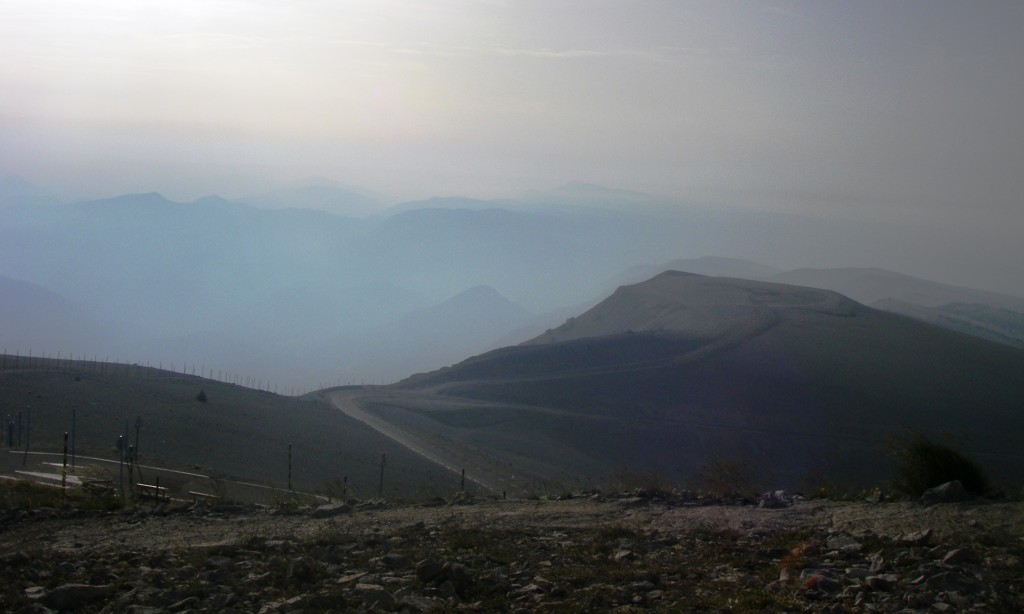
587,553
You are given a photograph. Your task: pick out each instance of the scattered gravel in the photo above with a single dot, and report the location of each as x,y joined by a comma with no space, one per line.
589,553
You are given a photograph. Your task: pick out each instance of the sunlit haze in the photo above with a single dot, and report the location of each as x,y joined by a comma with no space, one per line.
906,112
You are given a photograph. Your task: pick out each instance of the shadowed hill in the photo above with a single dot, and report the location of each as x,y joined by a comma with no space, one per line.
237,433
682,374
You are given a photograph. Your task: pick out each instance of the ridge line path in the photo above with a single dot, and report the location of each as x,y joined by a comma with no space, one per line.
348,402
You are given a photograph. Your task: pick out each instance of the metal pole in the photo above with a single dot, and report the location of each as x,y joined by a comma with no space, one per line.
64,472
138,425
131,466
120,462
28,436
74,421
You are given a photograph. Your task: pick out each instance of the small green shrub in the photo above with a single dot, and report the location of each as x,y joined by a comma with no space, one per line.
925,464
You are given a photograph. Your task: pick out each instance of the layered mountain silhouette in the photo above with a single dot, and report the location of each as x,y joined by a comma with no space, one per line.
683,374
210,280
33,317
990,315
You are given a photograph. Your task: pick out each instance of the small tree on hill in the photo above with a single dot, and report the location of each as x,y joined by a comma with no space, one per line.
201,397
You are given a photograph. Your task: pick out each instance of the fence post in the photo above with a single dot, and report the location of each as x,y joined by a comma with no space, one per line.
120,462
64,473
28,436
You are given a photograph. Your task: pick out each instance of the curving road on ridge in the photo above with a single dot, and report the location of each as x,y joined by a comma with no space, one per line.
348,402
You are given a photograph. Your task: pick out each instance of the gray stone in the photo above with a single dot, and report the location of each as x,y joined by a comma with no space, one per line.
394,561
953,581
879,583
917,538
328,600
189,603
419,603
300,570
375,596
624,555
950,492
843,543
817,580
857,573
961,556
460,576
217,562
75,596
430,571
331,509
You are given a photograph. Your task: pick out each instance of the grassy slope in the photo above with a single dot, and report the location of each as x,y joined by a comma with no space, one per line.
238,433
813,400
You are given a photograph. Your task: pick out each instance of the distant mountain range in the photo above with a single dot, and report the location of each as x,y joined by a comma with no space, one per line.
288,291
319,194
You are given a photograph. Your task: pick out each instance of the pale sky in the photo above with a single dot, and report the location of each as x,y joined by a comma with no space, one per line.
855,108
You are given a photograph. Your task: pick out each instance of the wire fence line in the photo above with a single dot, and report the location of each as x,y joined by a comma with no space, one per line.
96,364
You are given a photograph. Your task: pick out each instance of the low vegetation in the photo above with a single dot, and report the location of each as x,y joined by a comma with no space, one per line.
925,464
27,495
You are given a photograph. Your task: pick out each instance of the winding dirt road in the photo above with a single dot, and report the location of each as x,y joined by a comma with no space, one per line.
348,402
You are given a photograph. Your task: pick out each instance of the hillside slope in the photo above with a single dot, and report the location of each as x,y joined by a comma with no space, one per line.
684,375
238,433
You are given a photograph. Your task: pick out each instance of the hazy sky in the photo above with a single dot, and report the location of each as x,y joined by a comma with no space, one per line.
861,108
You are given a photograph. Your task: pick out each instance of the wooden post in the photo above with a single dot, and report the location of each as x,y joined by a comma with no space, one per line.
462,484
289,466
380,485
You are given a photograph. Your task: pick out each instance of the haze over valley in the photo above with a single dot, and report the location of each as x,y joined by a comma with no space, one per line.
551,240
302,297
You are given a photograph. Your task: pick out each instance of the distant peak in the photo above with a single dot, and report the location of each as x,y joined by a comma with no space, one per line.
581,187
212,199
482,290
143,198
674,273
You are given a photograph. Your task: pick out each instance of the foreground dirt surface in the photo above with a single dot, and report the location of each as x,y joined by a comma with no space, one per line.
621,554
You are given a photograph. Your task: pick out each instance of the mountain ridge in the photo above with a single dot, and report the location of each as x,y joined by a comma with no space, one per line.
803,384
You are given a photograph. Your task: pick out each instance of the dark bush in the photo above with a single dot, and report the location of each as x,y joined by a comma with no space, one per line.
201,397
925,464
